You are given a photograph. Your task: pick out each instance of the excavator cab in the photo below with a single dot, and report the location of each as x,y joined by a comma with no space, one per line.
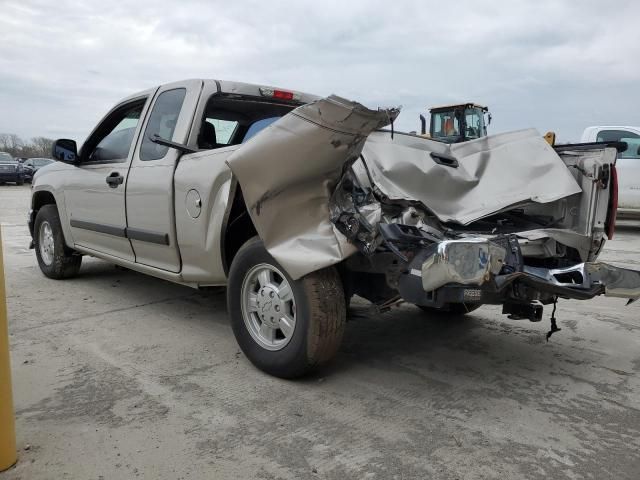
457,123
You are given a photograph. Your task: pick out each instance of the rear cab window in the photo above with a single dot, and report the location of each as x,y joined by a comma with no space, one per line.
231,120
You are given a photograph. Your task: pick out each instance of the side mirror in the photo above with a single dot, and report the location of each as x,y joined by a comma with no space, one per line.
65,150
638,152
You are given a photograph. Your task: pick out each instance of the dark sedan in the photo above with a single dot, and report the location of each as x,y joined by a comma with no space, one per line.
10,170
32,165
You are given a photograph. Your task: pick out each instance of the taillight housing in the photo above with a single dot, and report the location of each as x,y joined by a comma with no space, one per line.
612,212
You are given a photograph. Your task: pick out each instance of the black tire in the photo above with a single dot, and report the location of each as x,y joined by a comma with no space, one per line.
452,308
65,263
20,182
320,315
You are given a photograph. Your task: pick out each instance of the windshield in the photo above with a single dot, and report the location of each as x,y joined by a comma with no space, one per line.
445,126
456,125
6,158
41,162
474,123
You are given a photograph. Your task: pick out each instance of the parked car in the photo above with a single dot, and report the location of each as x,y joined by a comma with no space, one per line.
296,203
32,165
10,170
627,166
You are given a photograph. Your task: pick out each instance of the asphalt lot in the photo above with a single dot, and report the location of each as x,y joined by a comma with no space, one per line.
118,375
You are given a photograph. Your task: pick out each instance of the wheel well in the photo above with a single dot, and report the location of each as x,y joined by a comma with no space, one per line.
238,228
42,198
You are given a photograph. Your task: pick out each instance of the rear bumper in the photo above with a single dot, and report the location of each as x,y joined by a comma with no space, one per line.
471,270
589,279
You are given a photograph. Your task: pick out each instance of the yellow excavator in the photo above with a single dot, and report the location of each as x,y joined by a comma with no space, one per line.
456,123
461,122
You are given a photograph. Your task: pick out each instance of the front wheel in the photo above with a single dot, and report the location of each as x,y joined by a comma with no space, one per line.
285,327
55,259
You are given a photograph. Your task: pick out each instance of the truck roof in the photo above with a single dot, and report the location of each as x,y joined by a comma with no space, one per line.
466,105
613,127
239,88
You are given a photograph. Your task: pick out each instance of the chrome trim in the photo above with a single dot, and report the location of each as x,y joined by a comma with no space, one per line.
476,261
467,261
617,281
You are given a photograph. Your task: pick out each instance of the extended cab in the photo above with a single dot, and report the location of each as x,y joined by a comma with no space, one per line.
296,203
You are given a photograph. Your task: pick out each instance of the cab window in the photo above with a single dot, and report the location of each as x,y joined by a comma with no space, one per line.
632,140
258,126
162,122
474,122
228,120
113,138
224,130
445,125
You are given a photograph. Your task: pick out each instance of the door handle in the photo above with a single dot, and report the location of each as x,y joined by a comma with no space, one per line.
114,179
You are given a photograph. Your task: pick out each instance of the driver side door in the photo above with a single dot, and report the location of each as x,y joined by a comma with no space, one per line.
95,194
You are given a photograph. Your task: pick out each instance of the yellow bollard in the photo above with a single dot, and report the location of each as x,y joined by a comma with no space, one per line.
8,454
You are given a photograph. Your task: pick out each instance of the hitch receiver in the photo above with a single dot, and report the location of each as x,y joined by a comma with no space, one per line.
520,311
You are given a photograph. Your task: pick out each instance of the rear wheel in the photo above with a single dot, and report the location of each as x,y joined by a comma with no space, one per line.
55,259
452,308
285,327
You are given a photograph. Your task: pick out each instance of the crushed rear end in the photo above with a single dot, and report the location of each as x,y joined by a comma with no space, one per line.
504,219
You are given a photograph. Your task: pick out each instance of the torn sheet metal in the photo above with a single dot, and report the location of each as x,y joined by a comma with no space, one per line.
582,243
467,181
287,173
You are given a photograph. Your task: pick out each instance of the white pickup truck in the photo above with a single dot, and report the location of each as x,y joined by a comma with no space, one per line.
627,166
296,203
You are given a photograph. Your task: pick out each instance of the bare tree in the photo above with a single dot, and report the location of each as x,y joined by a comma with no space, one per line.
4,141
42,146
14,145
11,143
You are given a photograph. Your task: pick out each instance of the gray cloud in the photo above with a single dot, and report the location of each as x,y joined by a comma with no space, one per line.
555,65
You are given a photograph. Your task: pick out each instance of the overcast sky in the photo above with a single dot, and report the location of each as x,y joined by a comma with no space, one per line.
554,65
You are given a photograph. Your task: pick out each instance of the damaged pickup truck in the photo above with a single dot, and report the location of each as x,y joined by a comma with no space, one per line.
296,203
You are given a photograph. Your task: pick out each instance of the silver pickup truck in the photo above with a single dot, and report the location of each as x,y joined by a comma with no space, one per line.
296,203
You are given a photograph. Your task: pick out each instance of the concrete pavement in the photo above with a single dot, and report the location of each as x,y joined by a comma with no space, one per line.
118,375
